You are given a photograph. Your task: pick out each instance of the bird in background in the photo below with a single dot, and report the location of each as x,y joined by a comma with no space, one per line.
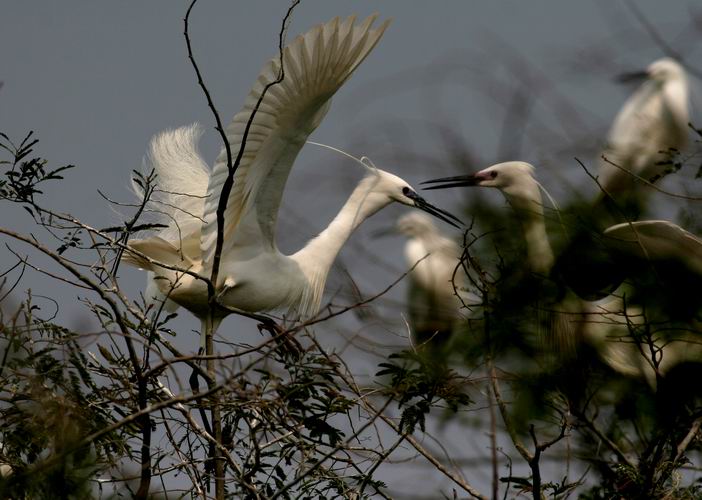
650,128
435,294
572,318
516,182
651,125
254,275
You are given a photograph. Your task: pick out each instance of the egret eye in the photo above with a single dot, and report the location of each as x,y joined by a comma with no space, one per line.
493,174
406,191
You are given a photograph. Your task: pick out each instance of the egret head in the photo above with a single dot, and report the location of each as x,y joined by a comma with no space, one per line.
507,176
514,178
396,189
387,188
664,70
415,225
659,71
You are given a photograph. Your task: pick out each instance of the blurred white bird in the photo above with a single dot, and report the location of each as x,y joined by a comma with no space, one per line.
435,295
254,275
657,240
651,122
516,181
619,333
651,126
572,318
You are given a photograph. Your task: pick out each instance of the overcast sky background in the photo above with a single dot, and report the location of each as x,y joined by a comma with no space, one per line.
95,80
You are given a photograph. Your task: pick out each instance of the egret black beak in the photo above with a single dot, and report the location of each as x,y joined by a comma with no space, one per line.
425,206
456,181
636,76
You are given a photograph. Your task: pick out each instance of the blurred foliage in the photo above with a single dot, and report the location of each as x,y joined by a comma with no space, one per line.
420,382
50,402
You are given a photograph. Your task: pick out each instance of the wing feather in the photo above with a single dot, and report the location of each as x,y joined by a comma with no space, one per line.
656,240
316,64
181,181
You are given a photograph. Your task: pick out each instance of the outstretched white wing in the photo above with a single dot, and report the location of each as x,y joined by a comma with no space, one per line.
315,65
181,185
657,240
178,201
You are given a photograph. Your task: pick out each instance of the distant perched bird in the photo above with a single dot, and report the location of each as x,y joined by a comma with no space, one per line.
254,275
645,136
652,122
434,292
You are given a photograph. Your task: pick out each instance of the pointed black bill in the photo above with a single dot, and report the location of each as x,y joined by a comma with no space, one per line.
456,181
425,206
636,76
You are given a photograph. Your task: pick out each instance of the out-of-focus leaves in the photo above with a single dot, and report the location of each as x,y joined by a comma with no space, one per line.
419,383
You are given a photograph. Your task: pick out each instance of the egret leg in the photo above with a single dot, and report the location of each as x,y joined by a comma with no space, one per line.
205,324
193,380
195,387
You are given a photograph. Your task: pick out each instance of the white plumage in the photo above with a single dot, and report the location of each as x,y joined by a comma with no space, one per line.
609,327
433,304
653,120
254,276
657,240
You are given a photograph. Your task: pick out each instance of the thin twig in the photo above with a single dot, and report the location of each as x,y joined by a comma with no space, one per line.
665,47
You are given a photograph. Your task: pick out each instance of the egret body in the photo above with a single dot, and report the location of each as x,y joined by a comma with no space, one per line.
434,286
651,122
254,275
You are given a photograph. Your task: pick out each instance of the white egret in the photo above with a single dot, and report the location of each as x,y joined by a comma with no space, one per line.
254,275
516,181
650,127
434,294
651,241
651,122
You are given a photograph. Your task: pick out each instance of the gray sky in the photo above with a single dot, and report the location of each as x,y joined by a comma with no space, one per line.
95,80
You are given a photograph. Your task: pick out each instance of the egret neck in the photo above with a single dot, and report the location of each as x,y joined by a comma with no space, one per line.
528,205
316,258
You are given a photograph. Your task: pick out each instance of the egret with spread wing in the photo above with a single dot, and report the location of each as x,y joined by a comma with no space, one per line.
254,275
